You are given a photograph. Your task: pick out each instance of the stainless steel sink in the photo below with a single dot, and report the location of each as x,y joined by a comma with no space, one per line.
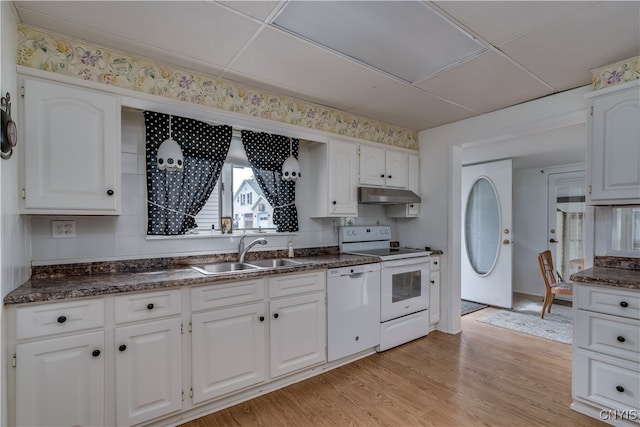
274,262
223,267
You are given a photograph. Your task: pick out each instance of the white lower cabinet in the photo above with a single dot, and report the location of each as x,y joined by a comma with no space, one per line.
59,375
148,355
148,370
606,353
434,290
60,381
129,359
297,333
228,350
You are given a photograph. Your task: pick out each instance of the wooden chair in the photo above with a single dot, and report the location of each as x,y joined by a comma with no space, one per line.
553,288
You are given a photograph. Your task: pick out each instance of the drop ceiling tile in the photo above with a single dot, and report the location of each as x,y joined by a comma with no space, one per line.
281,60
500,21
202,32
256,9
486,83
562,53
412,108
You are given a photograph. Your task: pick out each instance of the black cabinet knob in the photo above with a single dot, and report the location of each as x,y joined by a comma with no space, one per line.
432,281
62,319
110,192
150,306
381,175
275,315
95,353
390,176
122,347
620,388
621,339
624,304
435,262
261,318
334,202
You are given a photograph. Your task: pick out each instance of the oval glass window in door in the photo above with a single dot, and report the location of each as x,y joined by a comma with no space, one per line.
482,226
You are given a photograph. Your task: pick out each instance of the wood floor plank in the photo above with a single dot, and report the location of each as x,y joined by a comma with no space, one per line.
485,376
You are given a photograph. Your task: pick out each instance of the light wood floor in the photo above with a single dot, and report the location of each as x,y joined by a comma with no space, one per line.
485,376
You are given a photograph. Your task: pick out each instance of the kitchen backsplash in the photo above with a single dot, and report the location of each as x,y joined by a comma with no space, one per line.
103,238
617,262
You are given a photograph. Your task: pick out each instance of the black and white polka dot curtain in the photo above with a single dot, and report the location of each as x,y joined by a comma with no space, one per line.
266,154
175,197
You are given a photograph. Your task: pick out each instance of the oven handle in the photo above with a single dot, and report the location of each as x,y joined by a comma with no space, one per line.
406,261
356,275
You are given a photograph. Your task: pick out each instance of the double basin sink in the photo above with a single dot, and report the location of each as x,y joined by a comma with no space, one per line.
225,267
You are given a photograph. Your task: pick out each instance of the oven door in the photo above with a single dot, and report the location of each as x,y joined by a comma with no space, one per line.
404,287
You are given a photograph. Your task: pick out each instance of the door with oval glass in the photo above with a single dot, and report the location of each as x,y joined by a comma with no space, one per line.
486,233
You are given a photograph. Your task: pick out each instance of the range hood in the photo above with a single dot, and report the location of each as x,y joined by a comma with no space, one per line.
386,196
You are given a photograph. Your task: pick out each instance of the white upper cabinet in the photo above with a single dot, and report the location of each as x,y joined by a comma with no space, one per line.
334,170
613,153
410,210
383,168
72,150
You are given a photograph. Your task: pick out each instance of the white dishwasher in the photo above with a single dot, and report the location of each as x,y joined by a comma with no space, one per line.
353,309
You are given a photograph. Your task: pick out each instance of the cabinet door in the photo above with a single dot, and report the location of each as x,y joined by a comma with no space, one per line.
372,166
343,178
72,150
413,184
148,370
397,168
614,155
409,210
60,381
228,350
434,297
298,333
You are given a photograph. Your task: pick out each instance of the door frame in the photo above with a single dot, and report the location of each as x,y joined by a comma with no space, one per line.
557,175
450,320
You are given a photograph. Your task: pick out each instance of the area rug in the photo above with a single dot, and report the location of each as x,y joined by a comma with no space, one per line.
470,306
525,318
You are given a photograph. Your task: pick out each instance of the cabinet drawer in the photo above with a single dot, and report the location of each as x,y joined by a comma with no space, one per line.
297,283
609,301
610,382
150,305
57,318
227,294
435,263
613,335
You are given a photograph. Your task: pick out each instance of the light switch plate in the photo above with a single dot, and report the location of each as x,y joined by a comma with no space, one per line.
63,229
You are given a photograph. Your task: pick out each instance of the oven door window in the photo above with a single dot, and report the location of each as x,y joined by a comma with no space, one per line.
406,285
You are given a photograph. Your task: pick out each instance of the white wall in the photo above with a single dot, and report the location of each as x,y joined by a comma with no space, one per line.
501,134
124,237
14,230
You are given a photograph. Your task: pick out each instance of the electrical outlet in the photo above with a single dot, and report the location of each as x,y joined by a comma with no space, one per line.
349,221
63,229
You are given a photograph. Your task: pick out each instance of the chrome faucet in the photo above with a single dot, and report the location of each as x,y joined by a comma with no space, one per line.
242,251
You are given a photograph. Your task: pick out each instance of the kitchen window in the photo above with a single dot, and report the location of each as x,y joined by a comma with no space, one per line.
236,195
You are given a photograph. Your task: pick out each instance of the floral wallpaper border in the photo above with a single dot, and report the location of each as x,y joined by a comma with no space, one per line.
62,55
614,74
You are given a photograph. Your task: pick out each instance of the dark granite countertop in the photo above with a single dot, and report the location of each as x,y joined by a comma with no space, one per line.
61,287
607,276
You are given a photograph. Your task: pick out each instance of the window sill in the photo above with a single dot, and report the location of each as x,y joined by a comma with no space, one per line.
218,235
